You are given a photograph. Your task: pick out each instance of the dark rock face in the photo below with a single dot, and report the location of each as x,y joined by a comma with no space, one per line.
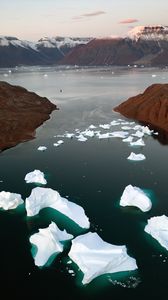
21,112
151,107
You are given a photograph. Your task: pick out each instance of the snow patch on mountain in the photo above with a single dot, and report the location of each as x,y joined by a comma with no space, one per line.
157,32
60,42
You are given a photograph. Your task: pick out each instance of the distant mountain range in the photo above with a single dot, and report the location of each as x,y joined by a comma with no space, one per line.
144,45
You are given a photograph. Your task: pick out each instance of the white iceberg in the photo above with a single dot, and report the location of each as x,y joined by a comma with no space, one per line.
115,123
92,126
48,242
58,143
103,135
129,139
45,197
126,128
10,200
157,227
134,196
146,130
139,142
42,148
89,133
35,176
105,126
119,134
96,257
69,135
81,138
136,157
138,134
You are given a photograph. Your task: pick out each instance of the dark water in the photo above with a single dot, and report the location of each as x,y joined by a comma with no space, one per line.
92,174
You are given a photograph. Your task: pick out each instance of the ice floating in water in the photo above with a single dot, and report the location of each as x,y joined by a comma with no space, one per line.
47,241
139,142
69,135
81,138
134,156
105,126
35,176
10,200
96,257
129,139
157,227
115,123
138,134
89,133
103,135
45,197
134,196
42,148
58,143
119,134
92,126
126,128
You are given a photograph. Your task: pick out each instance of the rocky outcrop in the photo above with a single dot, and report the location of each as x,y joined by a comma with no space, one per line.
150,107
21,112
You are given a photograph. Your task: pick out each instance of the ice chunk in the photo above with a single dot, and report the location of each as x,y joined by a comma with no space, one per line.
139,142
89,133
45,197
119,134
47,241
126,128
134,196
129,139
96,257
115,123
138,134
42,148
103,135
81,138
35,176
58,143
134,156
10,200
105,126
146,130
92,126
157,227
69,135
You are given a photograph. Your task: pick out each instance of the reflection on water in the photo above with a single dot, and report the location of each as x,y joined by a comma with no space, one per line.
92,174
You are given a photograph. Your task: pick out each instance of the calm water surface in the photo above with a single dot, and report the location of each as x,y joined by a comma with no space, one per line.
92,174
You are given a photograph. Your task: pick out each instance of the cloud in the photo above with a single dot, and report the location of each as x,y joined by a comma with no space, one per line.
91,14
128,21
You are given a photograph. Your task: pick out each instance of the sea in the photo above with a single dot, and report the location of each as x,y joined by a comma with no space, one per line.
91,173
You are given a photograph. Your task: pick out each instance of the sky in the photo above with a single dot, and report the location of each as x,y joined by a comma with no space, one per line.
34,19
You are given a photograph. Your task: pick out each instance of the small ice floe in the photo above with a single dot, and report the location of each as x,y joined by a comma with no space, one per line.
139,142
105,126
89,133
126,128
146,130
157,227
119,134
125,123
45,197
42,148
136,157
137,127
36,176
9,71
69,135
81,138
129,139
96,257
45,75
103,135
114,123
5,75
58,143
10,200
153,75
134,196
92,126
138,134
48,242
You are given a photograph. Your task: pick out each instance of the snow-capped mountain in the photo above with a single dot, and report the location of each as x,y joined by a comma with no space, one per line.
144,45
149,33
6,41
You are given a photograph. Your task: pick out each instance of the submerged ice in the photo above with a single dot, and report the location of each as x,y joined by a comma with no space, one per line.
134,196
48,242
47,197
96,257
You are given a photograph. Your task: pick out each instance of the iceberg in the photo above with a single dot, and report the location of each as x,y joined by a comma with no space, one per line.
96,257
139,142
157,227
81,138
134,196
105,126
42,148
58,143
89,133
46,197
136,157
35,176
119,134
10,200
138,134
129,139
48,242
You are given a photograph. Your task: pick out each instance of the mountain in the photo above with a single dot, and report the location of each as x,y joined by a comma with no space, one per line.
150,107
46,51
144,45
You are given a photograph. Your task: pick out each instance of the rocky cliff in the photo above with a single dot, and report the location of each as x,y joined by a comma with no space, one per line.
21,112
150,107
